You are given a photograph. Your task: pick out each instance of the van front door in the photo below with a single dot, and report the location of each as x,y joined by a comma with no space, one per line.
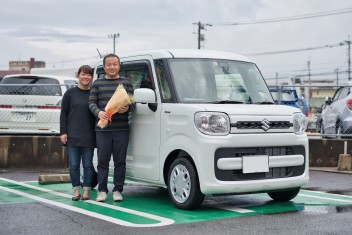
142,160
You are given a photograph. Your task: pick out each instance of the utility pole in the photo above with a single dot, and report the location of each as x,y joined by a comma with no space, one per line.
308,64
309,94
201,36
276,77
337,76
349,57
114,36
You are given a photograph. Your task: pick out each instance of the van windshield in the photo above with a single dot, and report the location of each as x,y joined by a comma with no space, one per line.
218,81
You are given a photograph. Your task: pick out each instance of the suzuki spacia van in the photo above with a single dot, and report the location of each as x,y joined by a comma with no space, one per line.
204,122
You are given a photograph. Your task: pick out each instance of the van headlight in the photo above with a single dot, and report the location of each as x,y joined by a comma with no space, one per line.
212,123
299,123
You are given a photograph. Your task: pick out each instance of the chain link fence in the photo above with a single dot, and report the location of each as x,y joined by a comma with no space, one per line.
30,108
35,108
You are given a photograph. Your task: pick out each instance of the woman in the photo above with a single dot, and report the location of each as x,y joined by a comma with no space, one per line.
77,132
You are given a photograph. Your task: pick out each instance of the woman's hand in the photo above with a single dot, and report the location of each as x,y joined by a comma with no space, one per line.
63,138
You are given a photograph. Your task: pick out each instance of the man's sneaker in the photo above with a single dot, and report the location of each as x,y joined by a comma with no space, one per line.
117,196
101,197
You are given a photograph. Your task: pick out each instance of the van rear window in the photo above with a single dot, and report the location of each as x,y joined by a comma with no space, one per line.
29,85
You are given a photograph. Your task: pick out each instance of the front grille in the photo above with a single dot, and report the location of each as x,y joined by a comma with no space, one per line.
258,125
277,172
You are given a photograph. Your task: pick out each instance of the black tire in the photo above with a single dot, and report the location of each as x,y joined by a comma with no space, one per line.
322,130
183,185
94,179
338,130
284,196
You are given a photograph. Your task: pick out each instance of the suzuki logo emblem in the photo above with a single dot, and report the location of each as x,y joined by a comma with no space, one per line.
24,100
265,124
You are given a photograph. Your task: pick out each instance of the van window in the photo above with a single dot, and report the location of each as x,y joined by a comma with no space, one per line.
162,80
100,71
211,80
139,74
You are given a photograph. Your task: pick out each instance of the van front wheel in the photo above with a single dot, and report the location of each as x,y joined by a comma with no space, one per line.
283,196
183,185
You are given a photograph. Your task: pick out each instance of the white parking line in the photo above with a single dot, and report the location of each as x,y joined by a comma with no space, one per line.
163,221
233,208
325,193
326,198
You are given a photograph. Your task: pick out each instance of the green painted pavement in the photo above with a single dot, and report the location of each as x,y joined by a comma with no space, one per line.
141,202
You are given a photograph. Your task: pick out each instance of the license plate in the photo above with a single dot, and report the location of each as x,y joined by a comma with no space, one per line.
24,117
254,164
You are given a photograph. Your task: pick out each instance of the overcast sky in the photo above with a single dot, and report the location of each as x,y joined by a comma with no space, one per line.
67,33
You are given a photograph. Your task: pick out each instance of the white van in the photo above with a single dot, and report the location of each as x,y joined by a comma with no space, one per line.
31,103
206,123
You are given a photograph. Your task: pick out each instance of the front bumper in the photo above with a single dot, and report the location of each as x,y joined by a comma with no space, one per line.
221,170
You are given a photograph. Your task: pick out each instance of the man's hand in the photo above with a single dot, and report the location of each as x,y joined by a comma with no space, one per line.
123,109
103,115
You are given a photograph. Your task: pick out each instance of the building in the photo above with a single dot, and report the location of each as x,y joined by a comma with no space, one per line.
21,67
26,65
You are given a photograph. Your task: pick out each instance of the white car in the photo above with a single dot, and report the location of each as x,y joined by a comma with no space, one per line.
30,104
208,125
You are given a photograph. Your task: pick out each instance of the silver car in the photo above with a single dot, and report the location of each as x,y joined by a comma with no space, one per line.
336,116
30,104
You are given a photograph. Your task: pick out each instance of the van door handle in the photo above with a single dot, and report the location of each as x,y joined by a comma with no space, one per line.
167,111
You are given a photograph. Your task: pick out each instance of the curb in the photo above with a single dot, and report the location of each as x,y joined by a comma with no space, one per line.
329,169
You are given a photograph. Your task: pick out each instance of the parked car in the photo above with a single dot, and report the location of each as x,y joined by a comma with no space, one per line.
30,104
288,96
336,115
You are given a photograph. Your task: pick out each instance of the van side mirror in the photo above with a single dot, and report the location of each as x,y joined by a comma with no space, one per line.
328,100
144,95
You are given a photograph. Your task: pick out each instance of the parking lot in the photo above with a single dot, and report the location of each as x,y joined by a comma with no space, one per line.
146,206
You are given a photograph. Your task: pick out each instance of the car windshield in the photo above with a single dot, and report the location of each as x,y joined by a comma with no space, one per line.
29,85
218,81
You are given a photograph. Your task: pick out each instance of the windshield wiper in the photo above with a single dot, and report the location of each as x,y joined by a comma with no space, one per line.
265,102
226,102
26,89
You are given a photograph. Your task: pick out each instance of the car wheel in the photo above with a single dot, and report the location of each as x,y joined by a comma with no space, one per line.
283,196
94,177
183,185
322,130
338,130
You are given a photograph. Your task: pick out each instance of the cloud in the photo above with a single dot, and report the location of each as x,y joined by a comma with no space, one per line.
68,30
50,35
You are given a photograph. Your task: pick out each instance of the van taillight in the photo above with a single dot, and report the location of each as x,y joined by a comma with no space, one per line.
306,113
5,106
48,107
349,104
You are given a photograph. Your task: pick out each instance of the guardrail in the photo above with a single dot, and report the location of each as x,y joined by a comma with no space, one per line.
35,108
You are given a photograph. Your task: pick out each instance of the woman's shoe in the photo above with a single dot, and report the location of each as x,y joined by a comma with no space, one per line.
83,198
76,198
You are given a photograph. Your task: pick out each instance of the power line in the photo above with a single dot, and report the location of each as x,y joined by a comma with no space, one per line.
305,75
298,50
290,18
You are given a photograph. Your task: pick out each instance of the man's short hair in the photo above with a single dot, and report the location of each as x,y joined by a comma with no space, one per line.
110,55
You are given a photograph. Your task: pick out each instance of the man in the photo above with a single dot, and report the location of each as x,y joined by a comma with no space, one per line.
112,139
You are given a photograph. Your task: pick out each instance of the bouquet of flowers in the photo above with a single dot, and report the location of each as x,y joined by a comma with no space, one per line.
119,99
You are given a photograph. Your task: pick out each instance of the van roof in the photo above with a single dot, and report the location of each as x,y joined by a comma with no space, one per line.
187,53
59,78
